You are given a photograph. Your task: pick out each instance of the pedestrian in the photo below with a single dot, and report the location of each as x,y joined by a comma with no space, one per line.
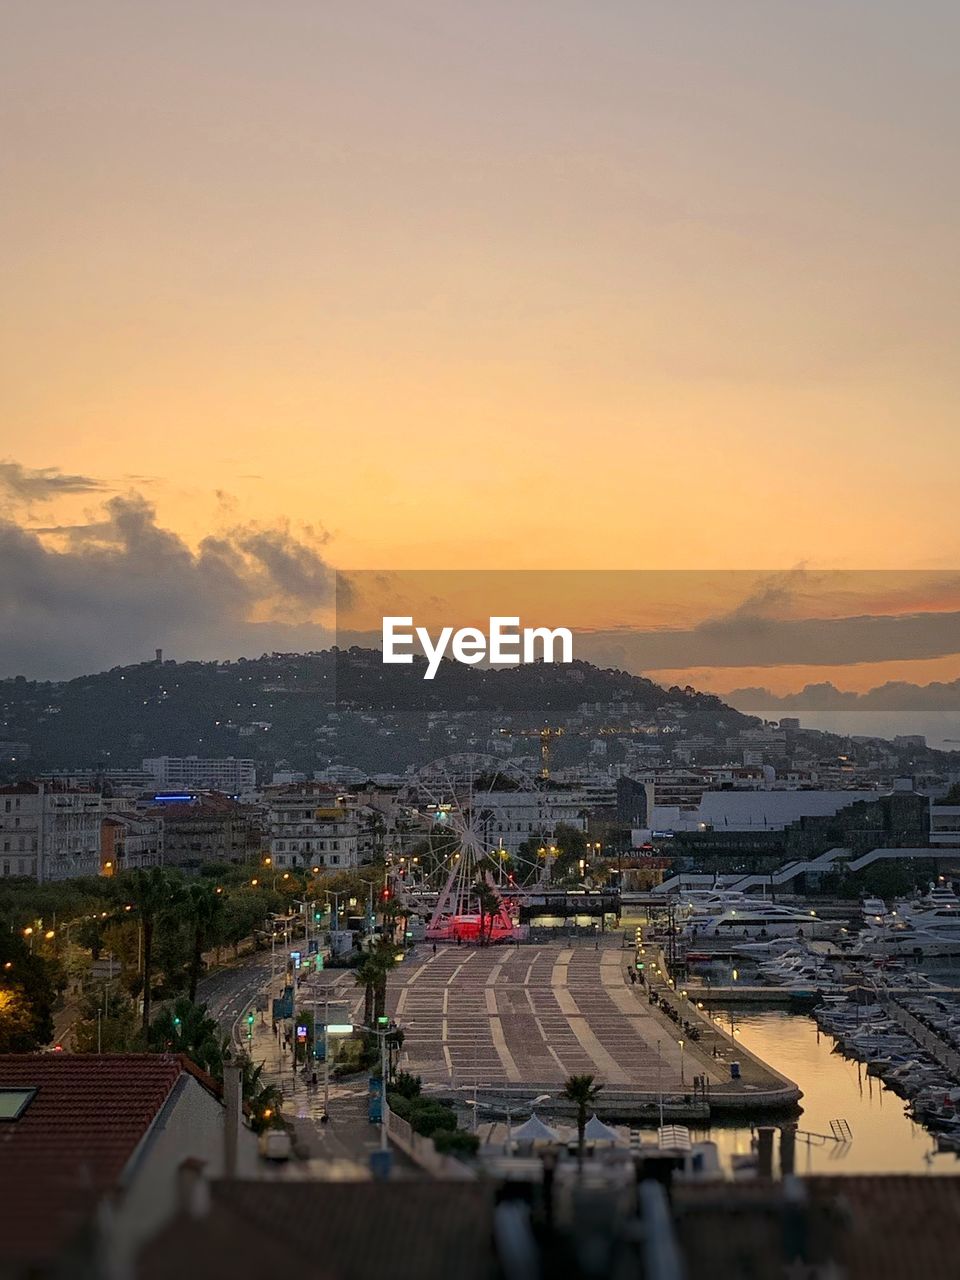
434,948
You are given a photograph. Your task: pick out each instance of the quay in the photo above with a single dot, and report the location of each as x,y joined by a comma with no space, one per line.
507,1024
800,997
928,1040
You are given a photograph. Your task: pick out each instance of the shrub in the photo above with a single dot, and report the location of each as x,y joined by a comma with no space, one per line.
427,1117
406,1085
456,1142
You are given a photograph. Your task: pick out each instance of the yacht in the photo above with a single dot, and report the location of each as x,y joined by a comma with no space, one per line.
934,932
873,910
755,919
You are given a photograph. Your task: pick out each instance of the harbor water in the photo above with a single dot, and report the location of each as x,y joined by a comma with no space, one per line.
885,1139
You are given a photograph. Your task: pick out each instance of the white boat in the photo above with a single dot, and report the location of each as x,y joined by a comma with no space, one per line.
930,933
873,910
756,920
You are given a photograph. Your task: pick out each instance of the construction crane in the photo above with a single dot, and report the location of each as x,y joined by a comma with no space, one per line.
547,733
546,736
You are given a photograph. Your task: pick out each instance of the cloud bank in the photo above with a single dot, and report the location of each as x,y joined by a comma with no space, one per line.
111,591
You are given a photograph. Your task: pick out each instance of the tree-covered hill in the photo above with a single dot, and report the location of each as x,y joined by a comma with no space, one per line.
308,709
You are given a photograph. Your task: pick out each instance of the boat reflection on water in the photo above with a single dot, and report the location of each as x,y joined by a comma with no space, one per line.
885,1139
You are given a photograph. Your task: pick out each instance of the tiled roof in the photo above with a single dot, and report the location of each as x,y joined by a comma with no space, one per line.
878,1227
407,1230
895,1225
74,1140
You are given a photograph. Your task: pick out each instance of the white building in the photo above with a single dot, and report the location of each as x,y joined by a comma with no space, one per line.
49,832
749,811
511,817
309,825
945,825
191,773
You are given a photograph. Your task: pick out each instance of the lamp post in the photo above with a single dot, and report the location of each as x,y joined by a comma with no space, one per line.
682,1078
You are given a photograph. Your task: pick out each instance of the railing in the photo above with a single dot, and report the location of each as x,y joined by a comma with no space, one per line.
422,1151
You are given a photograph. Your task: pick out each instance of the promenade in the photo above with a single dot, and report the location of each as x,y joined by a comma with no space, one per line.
515,1021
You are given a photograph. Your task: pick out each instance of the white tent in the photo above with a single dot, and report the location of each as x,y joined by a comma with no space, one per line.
534,1130
597,1131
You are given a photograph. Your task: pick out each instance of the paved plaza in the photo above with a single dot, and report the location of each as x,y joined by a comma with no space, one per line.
533,1015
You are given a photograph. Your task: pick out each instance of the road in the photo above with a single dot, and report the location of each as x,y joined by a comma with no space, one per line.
227,992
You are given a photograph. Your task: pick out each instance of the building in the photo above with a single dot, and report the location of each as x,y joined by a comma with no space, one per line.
91,1143
945,825
409,1229
509,818
129,840
188,773
208,828
49,831
311,825
531,1223
796,824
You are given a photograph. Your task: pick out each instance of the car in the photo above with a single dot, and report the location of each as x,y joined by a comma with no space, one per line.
275,1144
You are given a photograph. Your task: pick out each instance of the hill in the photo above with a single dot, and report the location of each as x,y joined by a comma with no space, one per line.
342,706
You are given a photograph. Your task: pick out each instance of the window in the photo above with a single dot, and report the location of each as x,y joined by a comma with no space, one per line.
14,1102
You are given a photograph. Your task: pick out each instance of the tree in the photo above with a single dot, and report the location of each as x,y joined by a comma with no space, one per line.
368,975
583,1092
27,992
187,1028
489,903
372,976
263,1101
205,908
115,1030
152,892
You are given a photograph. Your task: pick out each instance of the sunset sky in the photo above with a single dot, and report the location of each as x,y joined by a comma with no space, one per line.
546,284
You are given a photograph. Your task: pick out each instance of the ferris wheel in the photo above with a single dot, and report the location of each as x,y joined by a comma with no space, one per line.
466,882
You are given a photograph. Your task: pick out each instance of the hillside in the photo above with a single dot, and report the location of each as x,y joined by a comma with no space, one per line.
316,708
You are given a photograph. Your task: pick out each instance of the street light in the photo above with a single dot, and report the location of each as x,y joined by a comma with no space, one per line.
682,1078
491,1106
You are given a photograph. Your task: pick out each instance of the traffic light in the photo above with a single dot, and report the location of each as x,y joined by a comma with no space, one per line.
249,1026
383,1021
177,1022
317,916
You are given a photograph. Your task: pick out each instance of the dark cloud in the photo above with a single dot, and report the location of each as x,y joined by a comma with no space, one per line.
115,589
748,640
22,484
894,695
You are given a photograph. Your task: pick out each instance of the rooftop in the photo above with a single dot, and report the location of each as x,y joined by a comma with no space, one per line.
74,1138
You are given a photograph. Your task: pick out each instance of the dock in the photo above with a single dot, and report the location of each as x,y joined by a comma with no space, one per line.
805,997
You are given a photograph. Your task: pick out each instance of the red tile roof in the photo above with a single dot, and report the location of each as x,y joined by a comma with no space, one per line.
74,1140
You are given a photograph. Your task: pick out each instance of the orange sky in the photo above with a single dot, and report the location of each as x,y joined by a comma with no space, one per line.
541,285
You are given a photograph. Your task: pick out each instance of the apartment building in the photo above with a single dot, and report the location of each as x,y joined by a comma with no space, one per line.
49,832
130,840
232,776
311,825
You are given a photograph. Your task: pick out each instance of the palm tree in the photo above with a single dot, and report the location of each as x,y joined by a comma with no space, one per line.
153,892
489,904
582,1091
372,976
187,1028
206,907
367,977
